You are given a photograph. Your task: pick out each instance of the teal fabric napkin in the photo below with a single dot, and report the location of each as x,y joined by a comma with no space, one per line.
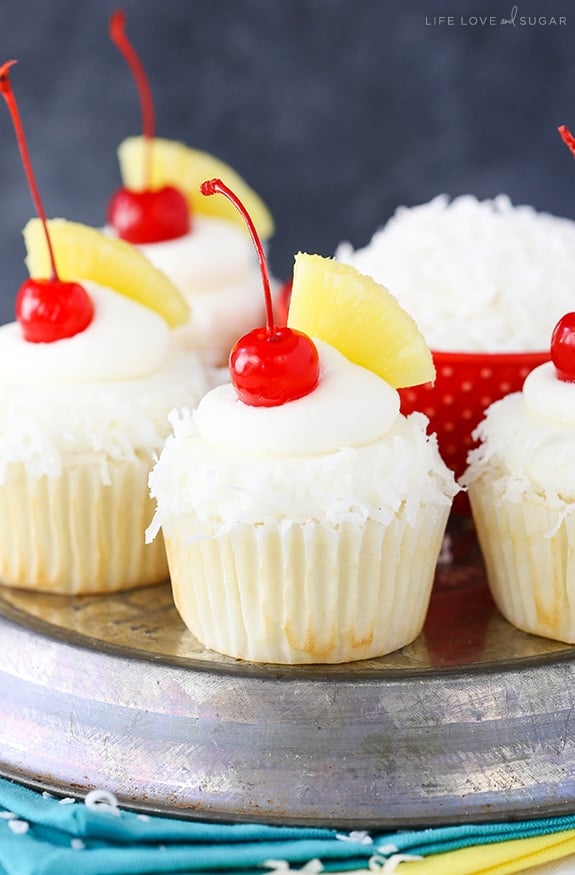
44,835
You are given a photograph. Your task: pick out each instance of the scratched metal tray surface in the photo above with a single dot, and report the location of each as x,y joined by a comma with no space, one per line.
474,721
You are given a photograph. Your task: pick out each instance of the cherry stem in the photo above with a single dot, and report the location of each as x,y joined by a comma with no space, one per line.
8,95
215,186
119,38
567,137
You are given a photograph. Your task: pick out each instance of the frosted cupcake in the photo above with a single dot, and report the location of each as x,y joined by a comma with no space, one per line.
87,377
201,246
81,418
521,483
302,514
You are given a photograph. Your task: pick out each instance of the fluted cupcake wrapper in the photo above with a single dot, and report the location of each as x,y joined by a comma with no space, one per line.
306,593
76,534
529,552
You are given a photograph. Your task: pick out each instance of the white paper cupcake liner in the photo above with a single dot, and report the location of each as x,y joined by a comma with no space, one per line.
306,593
529,553
76,535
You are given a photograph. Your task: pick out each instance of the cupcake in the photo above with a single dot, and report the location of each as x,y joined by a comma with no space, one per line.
522,494
302,513
87,377
202,247
82,416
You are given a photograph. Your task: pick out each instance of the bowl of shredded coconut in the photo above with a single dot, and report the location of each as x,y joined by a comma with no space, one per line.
486,281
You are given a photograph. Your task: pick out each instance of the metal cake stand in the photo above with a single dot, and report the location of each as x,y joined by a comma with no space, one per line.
474,721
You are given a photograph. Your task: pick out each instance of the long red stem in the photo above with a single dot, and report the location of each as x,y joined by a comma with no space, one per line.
215,186
119,38
567,137
8,95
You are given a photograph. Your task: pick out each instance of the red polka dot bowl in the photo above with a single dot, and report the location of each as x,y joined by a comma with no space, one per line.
466,384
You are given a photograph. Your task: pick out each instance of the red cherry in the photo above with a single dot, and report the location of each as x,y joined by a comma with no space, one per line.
269,365
563,348
269,370
47,309
147,216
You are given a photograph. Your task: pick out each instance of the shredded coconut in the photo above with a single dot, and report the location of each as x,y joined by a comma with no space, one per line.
60,424
529,454
360,837
399,473
388,849
102,800
301,461
311,868
18,827
475,275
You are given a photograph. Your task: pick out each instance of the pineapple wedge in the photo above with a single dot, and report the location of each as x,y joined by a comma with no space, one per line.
83,253
176,164
337,304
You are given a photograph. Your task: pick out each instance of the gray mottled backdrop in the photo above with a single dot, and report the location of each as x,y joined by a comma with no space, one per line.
337,111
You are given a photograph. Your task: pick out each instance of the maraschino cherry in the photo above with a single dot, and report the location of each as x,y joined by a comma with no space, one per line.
563,348
46,309
147,216
269,365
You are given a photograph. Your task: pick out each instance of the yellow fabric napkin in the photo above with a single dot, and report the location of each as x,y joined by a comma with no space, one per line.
503,858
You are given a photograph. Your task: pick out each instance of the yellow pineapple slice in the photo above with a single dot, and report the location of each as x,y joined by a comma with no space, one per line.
176,164
83,253
337,304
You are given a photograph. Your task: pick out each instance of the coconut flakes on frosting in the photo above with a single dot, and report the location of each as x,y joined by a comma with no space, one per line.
376,481
50,427
475,275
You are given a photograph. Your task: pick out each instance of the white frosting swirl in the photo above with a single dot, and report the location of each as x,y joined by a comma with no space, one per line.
548,396
309,425
216,269
124,341
528,440
346,454
214,254
102,396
